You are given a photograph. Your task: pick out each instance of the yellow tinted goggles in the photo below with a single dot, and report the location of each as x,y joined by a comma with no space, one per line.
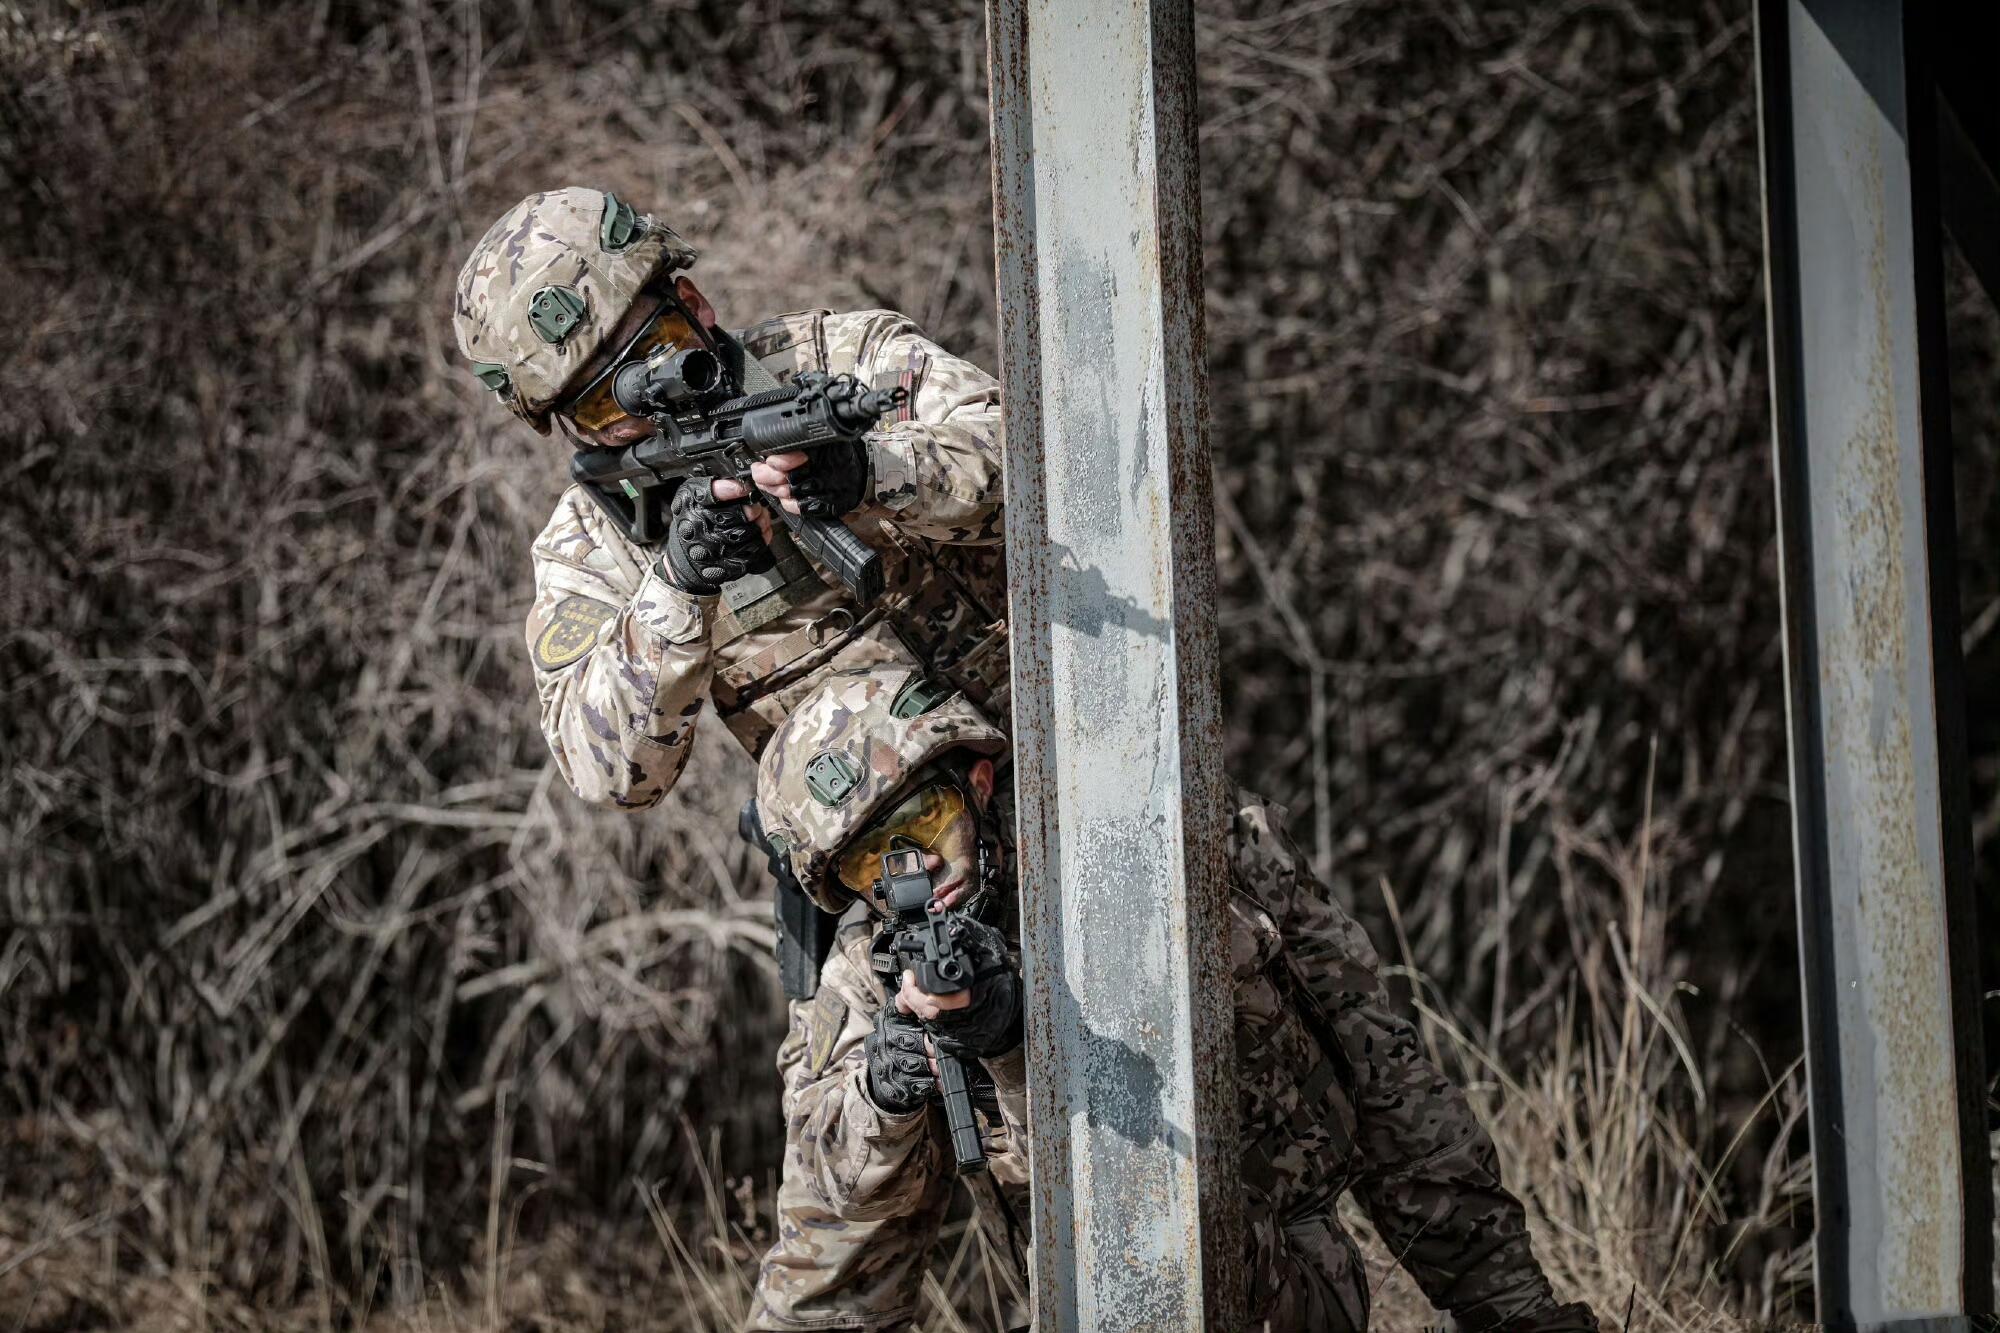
924,817
595,406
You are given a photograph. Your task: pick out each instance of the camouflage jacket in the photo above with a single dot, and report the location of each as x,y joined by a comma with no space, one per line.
625,662
1336,1093
863,1190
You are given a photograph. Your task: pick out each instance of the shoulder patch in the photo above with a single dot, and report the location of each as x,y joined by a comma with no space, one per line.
829,1016
908,377
572,631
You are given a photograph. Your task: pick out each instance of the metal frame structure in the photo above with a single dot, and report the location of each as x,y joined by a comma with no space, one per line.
1881,822
1117,720
1116,717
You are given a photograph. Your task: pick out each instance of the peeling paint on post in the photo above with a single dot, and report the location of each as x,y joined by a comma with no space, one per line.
1902,1187
1110,531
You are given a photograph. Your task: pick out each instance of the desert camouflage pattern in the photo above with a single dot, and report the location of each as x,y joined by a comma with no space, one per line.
1336,1095
848,719
626,665
553,238
863,1191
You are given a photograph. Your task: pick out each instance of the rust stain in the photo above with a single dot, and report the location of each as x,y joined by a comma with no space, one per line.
1872,626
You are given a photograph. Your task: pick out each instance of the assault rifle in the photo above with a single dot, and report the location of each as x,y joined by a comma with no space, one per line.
703,434
805,933
928,938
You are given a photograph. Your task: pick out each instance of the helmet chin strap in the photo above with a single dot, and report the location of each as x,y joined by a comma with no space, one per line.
984,900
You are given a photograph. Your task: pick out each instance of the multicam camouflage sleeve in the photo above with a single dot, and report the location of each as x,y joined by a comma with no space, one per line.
863,1192
621,659
937,465
860,1161
1431,1183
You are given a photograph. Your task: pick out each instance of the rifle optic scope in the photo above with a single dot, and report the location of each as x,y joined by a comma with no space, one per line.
663,383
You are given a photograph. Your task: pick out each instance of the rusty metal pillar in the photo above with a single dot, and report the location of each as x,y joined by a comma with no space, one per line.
1110,531
1881,822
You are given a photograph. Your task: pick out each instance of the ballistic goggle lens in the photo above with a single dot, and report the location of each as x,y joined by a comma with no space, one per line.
922,819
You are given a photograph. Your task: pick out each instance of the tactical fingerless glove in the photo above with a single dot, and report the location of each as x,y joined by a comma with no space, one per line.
899,1066
834,480
991,1024
710,542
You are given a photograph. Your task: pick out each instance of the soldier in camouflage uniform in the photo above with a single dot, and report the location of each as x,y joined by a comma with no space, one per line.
1336,1092
629,644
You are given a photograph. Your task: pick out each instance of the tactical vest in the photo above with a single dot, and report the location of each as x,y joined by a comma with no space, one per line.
943,608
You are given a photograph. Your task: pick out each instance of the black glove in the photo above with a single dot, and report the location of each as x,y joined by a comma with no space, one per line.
834,480
991,1024
710,542
899,1065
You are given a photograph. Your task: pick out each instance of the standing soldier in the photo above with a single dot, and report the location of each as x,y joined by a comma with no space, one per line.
630,645
1335,1091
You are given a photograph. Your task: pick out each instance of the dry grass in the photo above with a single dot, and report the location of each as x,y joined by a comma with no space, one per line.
1605,1135
321,1004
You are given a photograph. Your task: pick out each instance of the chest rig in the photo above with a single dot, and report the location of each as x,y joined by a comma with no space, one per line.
942,609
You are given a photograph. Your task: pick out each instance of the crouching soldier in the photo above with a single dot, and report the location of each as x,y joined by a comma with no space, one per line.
1336,1093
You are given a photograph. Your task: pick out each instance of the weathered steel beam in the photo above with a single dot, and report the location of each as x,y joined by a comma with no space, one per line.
1881,824
1969,138
1110,531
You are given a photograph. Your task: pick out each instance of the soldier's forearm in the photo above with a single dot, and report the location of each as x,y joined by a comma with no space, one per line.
1009,1073
940,481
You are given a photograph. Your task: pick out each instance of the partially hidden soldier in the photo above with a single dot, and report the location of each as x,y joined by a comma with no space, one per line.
1336,1093
631,644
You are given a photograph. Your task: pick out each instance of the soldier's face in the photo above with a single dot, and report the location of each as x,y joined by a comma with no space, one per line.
629,429
942,819
953,859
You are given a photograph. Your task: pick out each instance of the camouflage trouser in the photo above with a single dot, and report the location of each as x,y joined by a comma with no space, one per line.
824,1273
1306,1276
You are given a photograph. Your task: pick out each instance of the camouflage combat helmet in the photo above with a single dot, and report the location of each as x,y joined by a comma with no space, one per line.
847,753
547,283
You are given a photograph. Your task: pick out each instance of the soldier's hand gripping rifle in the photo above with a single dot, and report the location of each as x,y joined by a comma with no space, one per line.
703,435
928,939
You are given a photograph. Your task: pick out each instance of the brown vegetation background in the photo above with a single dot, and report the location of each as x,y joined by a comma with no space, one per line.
323,1004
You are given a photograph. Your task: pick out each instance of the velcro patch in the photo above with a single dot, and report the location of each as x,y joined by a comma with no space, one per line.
571,631
829,1016
911,380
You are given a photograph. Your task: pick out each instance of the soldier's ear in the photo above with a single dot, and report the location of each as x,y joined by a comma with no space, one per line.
980,778
691,295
